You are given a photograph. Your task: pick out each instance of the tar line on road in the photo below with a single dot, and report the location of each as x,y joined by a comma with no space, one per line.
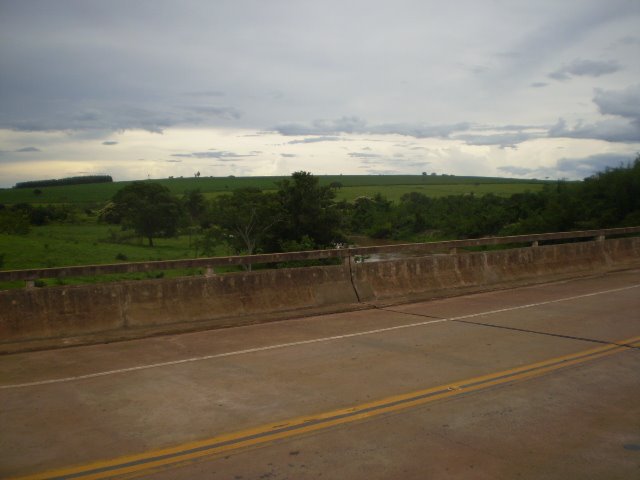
157,460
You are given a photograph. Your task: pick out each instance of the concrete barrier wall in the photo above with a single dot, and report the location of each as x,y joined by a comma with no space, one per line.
52,316
132,309
436,275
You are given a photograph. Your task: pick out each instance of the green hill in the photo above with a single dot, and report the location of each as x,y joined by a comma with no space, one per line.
393,186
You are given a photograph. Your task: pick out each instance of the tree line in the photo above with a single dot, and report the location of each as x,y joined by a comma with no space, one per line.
17,219
65,181
610,198
303,215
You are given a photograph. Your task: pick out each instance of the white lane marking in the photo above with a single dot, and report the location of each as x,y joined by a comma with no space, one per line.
306,342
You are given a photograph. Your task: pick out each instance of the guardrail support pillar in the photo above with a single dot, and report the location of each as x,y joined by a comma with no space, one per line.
209,272
453,251
600,238
535,243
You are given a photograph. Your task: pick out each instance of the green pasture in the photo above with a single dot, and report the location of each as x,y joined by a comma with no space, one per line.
90,244
388,185
64,245
395,192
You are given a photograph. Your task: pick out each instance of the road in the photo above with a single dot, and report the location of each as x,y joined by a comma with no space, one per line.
534,382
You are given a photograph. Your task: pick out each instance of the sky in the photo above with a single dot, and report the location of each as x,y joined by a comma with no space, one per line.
151,89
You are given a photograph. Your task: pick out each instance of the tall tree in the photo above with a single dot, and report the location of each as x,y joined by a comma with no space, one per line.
195,204
148,208
246,217
310,211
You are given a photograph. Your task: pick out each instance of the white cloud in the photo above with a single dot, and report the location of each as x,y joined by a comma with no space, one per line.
315,140
223,156
323,127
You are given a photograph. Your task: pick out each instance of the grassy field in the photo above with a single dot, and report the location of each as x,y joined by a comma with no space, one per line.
89,244
353,187
61,245
395,192
86,242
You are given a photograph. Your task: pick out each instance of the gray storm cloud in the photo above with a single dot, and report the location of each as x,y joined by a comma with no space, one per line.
481,74
588,68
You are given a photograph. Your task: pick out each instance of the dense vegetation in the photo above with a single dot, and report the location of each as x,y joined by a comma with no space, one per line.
300,212
86,179
607,199
303,214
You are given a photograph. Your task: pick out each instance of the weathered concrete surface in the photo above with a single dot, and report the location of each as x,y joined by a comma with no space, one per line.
62,316
538,430
579,422
53,316
440,275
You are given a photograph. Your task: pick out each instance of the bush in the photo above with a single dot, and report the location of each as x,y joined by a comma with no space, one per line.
14,222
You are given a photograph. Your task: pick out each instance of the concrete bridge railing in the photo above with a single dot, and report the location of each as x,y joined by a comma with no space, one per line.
34,318
410,249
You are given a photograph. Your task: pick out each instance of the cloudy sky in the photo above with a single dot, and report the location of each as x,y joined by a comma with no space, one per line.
149,89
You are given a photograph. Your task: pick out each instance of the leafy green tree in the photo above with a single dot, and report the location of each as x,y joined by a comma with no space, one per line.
14,221
373,216
609,197
211,237
196,205
309,211
147,208
247,217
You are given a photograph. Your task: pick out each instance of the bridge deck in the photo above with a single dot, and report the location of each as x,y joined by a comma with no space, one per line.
539,381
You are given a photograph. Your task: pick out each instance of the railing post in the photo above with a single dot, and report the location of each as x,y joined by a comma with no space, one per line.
600,238
453,250
209,272
30,284
535,243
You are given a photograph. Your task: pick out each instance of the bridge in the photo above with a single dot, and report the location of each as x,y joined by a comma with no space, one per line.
417,361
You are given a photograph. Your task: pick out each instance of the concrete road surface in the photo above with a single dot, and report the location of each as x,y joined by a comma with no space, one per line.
536,382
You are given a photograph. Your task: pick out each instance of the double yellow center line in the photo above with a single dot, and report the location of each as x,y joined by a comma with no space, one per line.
146,462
